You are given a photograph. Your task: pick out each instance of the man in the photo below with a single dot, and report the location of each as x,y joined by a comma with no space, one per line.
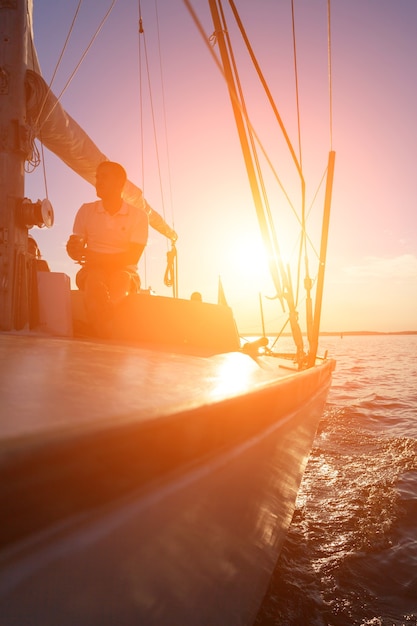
109,237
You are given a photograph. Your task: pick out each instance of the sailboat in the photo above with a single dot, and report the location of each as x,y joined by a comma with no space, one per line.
149,478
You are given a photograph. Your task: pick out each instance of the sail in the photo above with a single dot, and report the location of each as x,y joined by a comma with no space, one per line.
61,134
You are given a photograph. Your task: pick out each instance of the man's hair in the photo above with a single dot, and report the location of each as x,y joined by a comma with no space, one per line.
118,171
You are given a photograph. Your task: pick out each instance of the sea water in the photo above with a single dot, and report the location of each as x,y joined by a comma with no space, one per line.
350,557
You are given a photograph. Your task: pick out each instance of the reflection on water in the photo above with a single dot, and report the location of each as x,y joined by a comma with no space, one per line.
351,553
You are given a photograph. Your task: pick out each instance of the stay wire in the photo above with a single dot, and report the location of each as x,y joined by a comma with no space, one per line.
152,107
171,274
303,238
141,124
164,109
38,158
329,39
58,63
77,67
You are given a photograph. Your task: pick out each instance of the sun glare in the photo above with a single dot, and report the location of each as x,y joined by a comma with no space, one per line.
246,256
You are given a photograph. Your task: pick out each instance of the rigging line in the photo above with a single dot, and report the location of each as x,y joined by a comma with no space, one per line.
100,26
297,162
241,127
276,268
303,244
33,160
153,120
267,208
279,333
238,104
41,108
44,172
274,108
308,238
297,98
165,118
71,28
207,41
311,208
250,134
330,123
273,105
329,39
141,126
266,88
141,143
171,274
330,111
247,146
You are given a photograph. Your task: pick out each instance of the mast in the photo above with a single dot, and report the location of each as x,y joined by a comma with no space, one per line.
13,151
322,261
18,306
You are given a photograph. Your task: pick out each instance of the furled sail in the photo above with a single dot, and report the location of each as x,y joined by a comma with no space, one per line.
61,134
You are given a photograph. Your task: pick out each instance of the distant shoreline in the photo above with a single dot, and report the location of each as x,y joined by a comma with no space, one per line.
368,332
342,333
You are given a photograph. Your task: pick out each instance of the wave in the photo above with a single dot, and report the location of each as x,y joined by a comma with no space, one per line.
350,541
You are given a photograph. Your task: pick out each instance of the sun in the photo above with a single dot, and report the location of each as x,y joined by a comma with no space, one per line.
246,257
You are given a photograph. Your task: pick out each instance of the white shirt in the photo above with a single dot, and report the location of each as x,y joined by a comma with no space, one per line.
107,233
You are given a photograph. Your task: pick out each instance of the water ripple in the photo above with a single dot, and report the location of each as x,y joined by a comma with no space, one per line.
351,553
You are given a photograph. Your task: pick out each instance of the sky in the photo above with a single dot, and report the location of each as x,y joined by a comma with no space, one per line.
160,107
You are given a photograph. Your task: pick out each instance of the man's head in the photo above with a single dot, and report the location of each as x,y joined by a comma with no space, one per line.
110,179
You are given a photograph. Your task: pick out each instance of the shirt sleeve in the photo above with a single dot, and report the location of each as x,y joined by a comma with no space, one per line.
80,222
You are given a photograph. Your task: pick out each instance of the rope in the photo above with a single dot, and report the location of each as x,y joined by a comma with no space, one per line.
33,161
171,270
170,278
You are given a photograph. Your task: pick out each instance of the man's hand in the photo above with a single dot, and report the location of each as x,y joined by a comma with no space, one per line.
76,247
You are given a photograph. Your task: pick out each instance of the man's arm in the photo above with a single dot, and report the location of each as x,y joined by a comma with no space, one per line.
134,253
116,261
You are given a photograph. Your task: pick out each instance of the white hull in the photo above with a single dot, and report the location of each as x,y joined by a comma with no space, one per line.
156,507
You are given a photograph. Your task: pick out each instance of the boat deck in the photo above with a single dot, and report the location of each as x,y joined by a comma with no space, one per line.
55,385
113,418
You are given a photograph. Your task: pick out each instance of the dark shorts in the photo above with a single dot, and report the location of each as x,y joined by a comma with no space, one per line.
105,276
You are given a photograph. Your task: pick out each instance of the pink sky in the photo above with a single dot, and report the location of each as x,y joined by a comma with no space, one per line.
371,275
